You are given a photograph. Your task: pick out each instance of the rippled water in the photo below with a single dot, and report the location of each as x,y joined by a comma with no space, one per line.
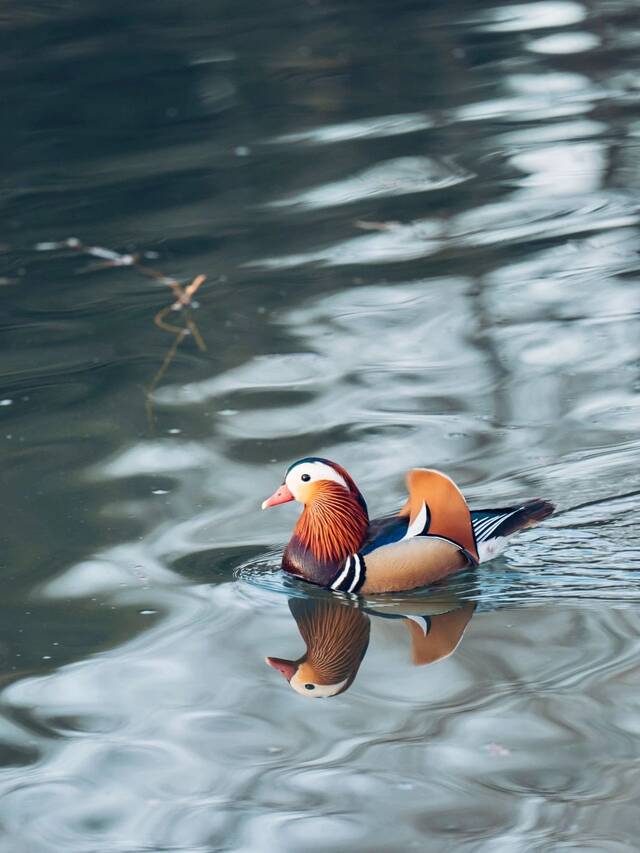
420,230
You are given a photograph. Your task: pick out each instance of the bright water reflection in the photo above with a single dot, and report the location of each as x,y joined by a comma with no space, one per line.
336,637
420,231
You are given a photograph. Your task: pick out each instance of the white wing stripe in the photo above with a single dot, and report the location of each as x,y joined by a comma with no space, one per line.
488,533
491,531
489,520
486,528
508,515
486,523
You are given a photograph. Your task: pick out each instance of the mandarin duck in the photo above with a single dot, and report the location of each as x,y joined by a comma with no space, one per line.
337,637
335,545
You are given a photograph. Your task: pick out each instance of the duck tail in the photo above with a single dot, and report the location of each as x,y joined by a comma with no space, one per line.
491,525
528,515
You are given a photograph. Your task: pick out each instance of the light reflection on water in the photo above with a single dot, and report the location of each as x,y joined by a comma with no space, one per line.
421,240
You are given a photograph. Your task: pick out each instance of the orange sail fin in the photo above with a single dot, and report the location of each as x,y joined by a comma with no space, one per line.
437,506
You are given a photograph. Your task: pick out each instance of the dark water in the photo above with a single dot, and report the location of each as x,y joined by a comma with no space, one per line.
419,224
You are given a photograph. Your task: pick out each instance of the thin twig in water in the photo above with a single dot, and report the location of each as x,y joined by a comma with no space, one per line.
183,302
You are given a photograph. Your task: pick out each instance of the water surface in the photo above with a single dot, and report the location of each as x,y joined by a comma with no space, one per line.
420,230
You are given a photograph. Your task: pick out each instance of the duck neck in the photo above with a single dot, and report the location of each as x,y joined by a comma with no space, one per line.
332,526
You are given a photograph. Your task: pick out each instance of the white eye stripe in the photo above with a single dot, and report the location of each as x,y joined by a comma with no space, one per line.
315,472
320,690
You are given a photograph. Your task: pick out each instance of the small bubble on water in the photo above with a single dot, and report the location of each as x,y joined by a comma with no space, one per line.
174,431
46,657
147,612
242,151
6,402
160,492
227,412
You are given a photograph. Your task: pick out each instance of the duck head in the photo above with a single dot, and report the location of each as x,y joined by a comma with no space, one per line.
336,637
314,478
333,523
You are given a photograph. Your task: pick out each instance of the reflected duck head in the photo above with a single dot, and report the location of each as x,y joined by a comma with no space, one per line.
336,636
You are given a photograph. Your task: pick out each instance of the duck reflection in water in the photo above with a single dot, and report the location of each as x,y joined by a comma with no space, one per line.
336,635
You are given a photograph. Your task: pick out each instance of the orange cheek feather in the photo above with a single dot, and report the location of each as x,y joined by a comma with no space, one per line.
333,524
307,673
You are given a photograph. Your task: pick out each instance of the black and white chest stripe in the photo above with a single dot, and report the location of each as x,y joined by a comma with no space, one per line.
351,576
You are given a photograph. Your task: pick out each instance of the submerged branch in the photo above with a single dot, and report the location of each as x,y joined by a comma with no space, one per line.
182,306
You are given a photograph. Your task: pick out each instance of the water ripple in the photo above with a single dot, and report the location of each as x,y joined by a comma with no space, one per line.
368,128
428,223
401,176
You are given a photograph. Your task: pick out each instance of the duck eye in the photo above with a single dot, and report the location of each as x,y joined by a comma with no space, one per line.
309,687
305,478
